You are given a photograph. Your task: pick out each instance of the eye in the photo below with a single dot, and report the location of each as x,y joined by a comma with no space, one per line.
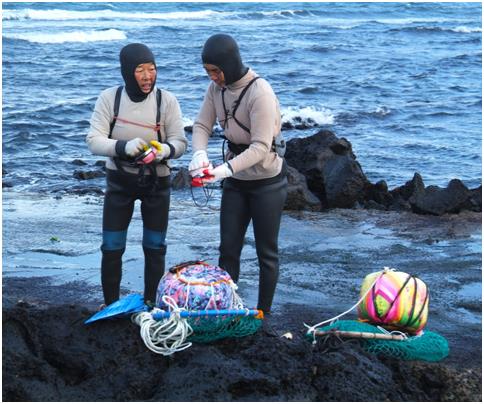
213,71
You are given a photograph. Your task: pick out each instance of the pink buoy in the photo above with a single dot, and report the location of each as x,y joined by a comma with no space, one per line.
396,300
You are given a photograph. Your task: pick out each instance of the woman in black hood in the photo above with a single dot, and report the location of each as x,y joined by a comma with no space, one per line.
126,124
222,51
255,184
130,57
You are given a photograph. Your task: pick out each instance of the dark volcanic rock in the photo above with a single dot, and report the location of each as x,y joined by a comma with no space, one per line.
88,175
50,355
344,182
181,179
298,195
335,177
474,202
78,162
377,196
100,163
330,167
437,201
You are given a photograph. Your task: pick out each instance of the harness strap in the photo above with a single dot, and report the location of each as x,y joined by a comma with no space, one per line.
239,100
117,101
237,103
158,105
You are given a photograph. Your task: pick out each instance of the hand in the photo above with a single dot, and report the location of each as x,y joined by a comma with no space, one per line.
162,150
216,174
199,163
135,147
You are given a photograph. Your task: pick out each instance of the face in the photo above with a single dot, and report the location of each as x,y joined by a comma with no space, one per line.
215,74
145,75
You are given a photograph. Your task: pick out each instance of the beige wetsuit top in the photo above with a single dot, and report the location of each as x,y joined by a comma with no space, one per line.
259,111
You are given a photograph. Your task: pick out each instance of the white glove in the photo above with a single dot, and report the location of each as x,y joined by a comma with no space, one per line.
135,147
218,173
162,150
199,163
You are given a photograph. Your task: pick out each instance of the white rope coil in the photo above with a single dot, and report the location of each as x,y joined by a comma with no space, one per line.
165,336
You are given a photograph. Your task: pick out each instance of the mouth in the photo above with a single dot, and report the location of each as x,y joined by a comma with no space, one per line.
146,87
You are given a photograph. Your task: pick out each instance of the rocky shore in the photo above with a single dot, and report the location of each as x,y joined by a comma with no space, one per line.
50,355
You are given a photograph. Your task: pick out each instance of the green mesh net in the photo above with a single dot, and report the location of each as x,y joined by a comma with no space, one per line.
207,329
429,346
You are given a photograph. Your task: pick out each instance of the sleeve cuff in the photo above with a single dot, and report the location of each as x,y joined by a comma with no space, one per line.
172,150
230,167
120,148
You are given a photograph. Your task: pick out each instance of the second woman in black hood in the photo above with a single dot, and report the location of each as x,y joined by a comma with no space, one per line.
222,51
253,173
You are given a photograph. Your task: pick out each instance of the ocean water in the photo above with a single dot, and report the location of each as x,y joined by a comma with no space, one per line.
401,81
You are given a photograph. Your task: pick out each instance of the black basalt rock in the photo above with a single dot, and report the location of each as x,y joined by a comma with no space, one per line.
330,167
435,200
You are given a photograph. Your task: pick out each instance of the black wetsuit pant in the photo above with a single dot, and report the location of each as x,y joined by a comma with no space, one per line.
121,193
262,202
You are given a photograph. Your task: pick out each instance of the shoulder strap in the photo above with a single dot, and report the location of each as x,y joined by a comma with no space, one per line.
237,103
158,105
117,101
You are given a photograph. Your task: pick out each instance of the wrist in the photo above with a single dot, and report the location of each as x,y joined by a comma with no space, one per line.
120,148
200,153
230,168
172,150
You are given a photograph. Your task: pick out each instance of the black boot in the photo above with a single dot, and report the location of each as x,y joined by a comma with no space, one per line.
111,275
269,326
154,269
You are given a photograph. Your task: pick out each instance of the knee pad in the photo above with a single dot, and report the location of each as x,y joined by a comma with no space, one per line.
114,240
154,240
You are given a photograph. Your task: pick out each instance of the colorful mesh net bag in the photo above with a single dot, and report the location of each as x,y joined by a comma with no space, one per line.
196,302
396,301
198,286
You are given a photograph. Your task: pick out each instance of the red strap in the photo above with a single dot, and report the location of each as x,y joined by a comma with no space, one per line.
154,127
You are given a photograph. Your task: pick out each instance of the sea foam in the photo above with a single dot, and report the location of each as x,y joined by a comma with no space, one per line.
61,15
466,30
74,36
310,115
